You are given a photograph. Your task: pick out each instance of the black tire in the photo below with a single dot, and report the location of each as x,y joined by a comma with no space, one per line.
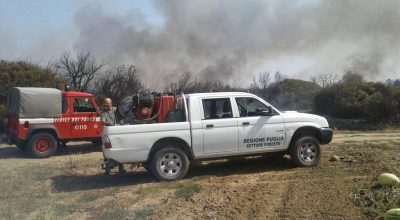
42,145
305,152
174,161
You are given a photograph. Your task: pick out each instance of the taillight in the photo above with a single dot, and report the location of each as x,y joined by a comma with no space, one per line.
106,142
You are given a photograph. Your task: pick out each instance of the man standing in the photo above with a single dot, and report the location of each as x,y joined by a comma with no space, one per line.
108,114
108,118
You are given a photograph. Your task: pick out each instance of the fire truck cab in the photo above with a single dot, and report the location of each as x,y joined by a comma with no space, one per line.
40,120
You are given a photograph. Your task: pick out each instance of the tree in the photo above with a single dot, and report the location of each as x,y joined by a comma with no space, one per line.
396,83
374,101
184,82
260,84
187,84
352,78
80,71
325,79
23,74
293,94
279,77
392,83
118,84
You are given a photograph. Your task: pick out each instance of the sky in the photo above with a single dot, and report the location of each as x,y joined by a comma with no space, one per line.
225,40
25,24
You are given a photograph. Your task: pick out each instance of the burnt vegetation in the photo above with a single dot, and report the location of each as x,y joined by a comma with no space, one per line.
348,96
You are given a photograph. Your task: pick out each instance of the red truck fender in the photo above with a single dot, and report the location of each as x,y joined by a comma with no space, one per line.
44,128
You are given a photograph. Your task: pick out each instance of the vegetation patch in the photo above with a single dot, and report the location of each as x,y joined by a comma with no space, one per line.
89,197
114,213
142,213
187,190
203,177
334,171
146,191
63,209
376,199
382,146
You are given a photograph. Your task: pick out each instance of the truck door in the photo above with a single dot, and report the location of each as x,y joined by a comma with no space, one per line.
83,118
258,131
63,124
220,131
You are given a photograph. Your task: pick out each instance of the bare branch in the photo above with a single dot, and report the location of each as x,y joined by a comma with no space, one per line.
79,71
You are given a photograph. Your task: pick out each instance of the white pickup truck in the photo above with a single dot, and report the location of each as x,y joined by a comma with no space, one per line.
216,125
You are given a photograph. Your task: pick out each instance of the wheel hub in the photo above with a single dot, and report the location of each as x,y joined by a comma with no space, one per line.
170,164
42,145
308,152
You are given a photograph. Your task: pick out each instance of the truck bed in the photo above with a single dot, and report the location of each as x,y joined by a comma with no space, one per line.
132,143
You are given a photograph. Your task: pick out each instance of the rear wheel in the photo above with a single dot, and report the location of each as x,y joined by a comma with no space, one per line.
306,151
42,145
169,163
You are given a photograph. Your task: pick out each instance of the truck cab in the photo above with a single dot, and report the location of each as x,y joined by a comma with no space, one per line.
80,117
42,119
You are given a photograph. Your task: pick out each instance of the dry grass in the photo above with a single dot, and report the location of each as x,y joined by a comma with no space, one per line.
71,184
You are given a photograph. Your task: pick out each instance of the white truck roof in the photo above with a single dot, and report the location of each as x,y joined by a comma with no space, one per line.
218,94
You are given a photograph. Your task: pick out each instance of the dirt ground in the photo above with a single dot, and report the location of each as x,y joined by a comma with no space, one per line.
71,185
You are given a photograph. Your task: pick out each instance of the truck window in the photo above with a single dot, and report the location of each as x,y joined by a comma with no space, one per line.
217,108
250,107
83,105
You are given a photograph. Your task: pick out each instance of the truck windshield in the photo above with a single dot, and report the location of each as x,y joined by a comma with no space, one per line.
83,105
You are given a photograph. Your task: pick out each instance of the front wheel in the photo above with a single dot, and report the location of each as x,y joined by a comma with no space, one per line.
42,145
306,151
169,164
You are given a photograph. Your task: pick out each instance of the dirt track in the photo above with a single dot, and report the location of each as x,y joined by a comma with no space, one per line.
71,185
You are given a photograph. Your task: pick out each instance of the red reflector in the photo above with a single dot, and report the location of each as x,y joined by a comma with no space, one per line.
107,145
106,142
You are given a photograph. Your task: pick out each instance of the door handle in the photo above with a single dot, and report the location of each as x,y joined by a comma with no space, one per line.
246,123
209,126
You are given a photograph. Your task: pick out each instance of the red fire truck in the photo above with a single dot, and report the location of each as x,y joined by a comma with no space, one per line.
42,119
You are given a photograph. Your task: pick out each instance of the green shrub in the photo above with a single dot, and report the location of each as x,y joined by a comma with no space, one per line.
373,101
142,213
376,200
187,190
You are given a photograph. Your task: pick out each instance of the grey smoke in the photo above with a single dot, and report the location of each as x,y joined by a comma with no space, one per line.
229,40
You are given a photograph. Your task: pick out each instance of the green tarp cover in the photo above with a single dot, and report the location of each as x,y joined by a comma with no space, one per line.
29,102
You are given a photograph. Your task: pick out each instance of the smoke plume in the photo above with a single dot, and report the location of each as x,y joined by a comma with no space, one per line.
230,40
